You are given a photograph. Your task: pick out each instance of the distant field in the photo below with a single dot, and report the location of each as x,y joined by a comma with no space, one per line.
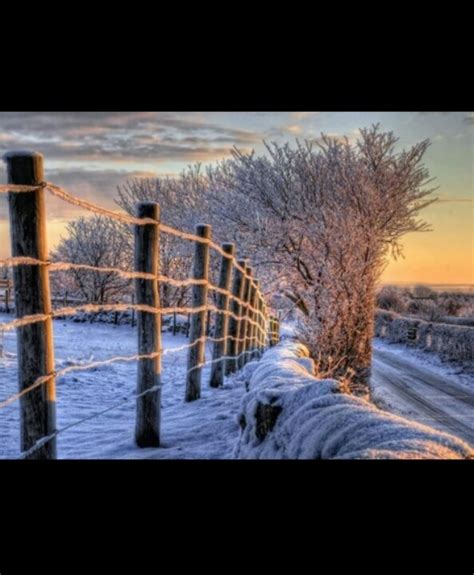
462,288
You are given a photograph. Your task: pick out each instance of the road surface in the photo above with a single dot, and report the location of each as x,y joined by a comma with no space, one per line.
422,394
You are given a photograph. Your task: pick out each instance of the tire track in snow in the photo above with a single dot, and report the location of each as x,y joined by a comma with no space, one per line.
415,386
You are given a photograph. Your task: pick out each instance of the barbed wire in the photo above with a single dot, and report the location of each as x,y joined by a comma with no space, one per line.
66,266
44,440
117,359
134,395
120,307
120,217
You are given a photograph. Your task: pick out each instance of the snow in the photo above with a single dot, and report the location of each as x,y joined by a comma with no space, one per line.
430,361
203,429
313,419
417,384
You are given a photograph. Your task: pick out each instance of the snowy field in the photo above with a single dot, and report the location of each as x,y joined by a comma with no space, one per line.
204,429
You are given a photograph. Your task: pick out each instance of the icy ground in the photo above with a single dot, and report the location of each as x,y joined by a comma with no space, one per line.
204,429
417,384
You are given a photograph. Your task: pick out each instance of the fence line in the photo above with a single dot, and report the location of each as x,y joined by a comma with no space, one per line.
85,367
66,266
242,332
119,307
122,218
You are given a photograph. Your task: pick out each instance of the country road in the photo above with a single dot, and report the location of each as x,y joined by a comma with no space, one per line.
402,385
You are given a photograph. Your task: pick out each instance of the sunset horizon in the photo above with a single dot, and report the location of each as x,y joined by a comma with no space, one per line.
91,153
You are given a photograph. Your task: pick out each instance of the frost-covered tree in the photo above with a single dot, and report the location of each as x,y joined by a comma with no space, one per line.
95,241
183,204
319,220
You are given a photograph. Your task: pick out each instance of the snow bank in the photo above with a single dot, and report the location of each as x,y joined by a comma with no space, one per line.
450,342
289,414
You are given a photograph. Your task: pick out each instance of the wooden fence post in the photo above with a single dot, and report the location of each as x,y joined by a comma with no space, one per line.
241,329
233,331
250,325
208,323
147,254
244,323
272,331
133,311
222,320
258,319
32,296
253,329
196,352
7,298
269,342
261,339
264,326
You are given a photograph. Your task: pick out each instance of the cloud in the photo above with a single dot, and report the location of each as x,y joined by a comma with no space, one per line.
469,119
99,187
303,115
122,136
294,129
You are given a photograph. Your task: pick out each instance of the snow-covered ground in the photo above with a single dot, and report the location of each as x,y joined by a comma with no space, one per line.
203,429
207,428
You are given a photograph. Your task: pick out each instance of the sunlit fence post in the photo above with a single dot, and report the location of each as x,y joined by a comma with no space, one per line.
277,330
256,328
220,347
198,319
233,330
32,296
253,318
250,325
245,312
272,341
241,323
261,323
147,254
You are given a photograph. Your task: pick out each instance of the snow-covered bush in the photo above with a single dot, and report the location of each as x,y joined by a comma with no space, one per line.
289,414
392,298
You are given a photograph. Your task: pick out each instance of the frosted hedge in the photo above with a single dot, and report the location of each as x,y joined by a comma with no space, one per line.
450,342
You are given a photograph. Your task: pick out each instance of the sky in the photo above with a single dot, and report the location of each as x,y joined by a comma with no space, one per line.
90,153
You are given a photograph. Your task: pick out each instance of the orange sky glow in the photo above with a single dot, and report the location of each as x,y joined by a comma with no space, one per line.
90,153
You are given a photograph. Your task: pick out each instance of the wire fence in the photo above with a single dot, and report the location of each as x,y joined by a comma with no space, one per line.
243,325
